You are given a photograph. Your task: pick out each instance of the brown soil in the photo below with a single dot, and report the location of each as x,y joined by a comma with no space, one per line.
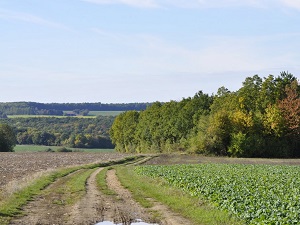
168,159
47,209
127,210
90,209
17,166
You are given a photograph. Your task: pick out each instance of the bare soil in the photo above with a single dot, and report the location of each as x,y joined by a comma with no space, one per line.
90,209
50,208
168,159
17,166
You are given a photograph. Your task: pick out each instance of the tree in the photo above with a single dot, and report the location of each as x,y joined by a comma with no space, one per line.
7,138
123,131
290,106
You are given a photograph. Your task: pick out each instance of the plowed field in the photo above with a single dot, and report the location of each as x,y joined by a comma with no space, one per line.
15,166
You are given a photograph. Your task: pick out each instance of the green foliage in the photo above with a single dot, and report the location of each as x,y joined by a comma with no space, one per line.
7,138
258,194
35,108
68,131
258,120
162,127
123,130
197,210
63,149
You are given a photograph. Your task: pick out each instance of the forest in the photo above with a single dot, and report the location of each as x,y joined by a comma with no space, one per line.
35,108
261,119
64,131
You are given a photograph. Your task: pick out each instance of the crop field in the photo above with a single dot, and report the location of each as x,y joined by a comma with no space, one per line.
41,116
42,148
92,114
105,113
257,194
16,166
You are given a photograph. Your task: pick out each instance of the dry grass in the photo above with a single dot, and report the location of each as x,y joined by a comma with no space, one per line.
16,185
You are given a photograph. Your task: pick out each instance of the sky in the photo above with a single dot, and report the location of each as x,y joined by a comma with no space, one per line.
124,51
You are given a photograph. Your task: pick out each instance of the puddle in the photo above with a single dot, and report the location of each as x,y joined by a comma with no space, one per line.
138,222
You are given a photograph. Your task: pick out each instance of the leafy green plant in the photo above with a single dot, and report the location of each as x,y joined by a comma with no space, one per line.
258,194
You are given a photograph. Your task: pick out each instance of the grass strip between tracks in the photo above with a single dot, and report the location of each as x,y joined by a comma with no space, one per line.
102,184
74,187
11,206
196,210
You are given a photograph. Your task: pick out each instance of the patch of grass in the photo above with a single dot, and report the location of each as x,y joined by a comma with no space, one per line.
74,188
42,148
102,184
197,210
105,113
102,175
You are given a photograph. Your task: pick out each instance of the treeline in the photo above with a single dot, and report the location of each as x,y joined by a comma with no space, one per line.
35,108
261,119
66,131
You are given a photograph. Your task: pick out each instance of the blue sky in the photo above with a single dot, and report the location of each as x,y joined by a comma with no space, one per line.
118,51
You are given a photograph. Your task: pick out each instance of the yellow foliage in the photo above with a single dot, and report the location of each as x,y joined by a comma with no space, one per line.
242,120
274,121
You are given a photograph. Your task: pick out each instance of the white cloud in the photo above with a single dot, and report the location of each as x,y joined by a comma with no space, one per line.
25,17
134,3
148,54
183,3
200,3
291,3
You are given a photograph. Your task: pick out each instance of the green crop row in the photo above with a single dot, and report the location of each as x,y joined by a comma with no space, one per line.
258,194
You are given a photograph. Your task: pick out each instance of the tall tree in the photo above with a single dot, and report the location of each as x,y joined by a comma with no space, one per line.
7,138
290,106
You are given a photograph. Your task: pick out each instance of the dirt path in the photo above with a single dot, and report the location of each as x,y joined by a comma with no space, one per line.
126,209
135,211
89,210
49,208
94,207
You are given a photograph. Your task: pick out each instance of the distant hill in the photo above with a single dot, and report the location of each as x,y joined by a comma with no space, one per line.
35,108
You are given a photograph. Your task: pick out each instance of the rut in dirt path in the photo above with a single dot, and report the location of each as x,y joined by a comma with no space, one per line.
89,210
135,211
126,209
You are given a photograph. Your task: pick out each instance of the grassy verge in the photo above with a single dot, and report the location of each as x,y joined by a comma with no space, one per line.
12,205
197,210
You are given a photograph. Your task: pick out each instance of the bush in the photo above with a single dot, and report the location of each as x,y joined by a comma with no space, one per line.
7,138
64,149
49,150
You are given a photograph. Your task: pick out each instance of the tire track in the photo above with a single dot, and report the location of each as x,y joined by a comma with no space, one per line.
135,211
93,207
126,210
